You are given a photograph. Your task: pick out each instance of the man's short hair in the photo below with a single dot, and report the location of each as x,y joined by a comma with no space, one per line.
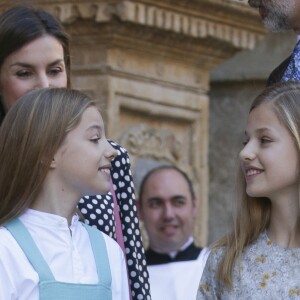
166,167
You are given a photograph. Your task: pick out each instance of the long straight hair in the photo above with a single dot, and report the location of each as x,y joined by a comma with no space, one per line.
252,215
31,133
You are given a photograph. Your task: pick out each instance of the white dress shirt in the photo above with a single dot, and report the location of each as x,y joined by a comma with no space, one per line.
67,251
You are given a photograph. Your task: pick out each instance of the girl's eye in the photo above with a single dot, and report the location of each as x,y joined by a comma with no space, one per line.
265,140
95,140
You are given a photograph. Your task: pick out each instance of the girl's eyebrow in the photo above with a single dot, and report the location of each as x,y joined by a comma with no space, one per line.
260,130
96,127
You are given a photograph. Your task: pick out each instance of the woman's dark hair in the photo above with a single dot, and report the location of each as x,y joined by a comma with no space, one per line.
20,25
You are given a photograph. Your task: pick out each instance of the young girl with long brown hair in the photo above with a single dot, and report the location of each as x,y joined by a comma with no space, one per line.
53,151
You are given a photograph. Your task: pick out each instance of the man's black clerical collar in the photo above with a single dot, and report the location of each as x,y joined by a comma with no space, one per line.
190,253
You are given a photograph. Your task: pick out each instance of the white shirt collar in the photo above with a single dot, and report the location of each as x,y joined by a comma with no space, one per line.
172,254
182,248
43,219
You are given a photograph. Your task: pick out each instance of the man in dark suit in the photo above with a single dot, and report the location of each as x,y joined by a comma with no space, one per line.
279,15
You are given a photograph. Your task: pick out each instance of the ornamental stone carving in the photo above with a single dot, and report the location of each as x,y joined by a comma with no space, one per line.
143,141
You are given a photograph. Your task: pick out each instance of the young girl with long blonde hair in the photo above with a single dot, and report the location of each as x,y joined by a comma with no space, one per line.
260,259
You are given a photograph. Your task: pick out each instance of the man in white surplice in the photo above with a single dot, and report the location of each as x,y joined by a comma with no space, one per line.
168,207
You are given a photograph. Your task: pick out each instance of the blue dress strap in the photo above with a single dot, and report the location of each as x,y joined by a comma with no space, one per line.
27,244
100,254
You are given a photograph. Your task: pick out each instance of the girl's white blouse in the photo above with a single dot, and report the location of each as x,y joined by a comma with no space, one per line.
68,252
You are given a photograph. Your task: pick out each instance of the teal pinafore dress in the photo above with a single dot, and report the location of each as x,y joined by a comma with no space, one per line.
49,288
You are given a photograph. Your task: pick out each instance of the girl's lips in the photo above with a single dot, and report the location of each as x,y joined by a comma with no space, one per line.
105,168
105,171
251,172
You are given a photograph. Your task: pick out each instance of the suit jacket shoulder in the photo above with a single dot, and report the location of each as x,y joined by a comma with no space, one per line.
278,72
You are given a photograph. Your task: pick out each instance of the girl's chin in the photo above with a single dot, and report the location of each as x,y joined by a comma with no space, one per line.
256,195
104,189
99,191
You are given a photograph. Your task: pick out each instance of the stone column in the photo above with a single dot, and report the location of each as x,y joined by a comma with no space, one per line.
148,63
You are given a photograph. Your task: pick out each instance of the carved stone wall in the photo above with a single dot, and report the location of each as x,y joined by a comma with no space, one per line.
148,62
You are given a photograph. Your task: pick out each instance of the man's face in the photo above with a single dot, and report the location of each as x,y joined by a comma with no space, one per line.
278,15
168,210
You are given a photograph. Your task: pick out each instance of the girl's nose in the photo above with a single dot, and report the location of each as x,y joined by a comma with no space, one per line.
247,153
111,152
